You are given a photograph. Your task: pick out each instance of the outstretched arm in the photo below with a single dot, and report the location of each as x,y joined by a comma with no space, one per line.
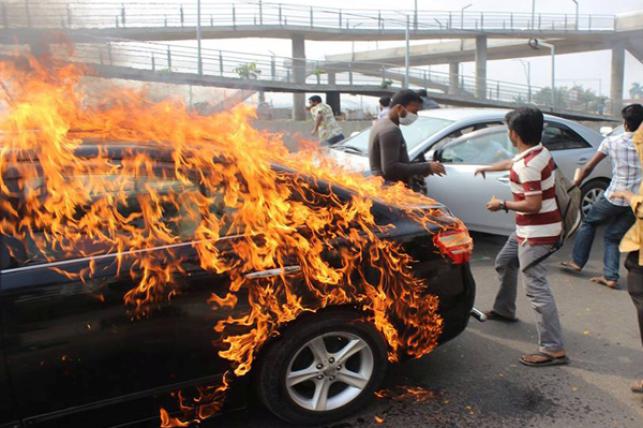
504,165
589,167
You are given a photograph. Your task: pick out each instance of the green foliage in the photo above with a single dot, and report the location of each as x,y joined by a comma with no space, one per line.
386,83
248,71
574,98
636,90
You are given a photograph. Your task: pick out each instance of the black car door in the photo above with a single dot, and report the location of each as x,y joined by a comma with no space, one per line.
75,350
8,416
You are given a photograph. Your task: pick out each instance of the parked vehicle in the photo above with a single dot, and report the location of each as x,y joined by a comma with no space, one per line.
73,356
571,143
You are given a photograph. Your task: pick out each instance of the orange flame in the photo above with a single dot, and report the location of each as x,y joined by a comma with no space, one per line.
406,393
221,183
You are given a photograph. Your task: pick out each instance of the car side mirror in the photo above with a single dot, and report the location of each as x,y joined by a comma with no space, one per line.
437,155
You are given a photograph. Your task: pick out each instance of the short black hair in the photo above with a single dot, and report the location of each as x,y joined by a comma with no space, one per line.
315,99
405,97
423,93
528,123
385,101
633,116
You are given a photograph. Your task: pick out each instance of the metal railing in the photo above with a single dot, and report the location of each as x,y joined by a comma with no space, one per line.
84,14
258,71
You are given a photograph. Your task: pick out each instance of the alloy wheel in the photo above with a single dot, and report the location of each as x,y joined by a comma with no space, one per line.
329,371
590,197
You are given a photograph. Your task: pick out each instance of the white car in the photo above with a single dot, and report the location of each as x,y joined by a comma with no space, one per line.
462,140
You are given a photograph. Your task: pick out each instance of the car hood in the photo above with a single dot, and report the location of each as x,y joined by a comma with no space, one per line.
350,161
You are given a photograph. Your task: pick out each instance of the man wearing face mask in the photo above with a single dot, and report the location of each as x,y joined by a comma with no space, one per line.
387,149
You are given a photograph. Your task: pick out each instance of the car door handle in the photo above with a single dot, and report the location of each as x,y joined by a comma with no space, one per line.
581,161
503,179
273,272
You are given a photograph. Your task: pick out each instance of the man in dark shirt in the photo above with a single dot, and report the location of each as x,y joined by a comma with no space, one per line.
386,146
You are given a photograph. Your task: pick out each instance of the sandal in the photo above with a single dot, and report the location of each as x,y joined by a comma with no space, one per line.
544,360
637,387
609,283
495,316
571,266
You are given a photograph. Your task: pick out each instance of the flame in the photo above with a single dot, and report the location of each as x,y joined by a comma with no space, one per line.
222,183
418,394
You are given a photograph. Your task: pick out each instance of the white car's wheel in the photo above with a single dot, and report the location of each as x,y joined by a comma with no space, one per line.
591,192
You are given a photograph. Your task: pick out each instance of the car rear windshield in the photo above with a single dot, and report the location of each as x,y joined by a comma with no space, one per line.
413,134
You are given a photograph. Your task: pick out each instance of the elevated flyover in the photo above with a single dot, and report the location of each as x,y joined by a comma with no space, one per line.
83,21
155,62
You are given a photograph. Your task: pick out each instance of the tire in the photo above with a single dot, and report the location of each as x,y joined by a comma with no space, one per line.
590,192
336,330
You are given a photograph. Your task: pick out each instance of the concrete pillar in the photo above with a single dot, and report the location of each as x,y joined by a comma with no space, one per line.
299,74
481,66
454,81
618,77
333,99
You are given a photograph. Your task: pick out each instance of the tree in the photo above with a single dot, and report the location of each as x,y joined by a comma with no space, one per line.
248,71
574,98
636,90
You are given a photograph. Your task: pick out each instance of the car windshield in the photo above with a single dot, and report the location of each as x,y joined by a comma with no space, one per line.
414,134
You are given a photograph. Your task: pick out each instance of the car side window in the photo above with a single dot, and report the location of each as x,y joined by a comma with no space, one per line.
179,215
557,136
479,150
463,131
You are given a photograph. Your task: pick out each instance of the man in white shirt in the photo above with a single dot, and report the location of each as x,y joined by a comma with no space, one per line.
385,102
326,126
608,210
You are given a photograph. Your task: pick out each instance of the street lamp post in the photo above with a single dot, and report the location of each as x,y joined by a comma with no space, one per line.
462,15
407,54
198,37
576,3
353,41
535,44
526,65
533,14
415,15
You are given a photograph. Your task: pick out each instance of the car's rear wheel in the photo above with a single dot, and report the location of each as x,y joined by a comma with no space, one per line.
591,192
322,369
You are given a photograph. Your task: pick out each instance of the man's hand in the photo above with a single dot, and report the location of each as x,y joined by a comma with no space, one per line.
624,195
313,131
437,169
481,171
494,204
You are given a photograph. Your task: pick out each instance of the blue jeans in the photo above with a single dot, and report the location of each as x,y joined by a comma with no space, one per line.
617,221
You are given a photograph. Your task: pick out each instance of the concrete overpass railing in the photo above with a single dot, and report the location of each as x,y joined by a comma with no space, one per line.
256,71
85,14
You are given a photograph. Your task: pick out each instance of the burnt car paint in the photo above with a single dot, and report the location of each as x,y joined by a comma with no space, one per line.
74,352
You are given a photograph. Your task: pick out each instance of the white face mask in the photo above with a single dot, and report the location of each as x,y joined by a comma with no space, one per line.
408,119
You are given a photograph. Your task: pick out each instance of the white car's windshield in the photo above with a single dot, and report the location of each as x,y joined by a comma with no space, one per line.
414,134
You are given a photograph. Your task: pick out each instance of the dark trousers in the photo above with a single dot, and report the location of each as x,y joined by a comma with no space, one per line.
635,285
334,140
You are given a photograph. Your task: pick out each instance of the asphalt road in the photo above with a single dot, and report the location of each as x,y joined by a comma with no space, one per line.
476,379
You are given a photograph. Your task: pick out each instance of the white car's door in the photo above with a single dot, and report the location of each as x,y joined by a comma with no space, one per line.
570,150
465,194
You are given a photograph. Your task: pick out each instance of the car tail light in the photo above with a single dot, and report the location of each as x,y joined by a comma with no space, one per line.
456,244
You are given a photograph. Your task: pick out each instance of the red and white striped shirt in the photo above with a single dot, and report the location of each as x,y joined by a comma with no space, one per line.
533,173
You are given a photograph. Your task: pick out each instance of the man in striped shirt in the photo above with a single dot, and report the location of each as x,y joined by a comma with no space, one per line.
538,228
